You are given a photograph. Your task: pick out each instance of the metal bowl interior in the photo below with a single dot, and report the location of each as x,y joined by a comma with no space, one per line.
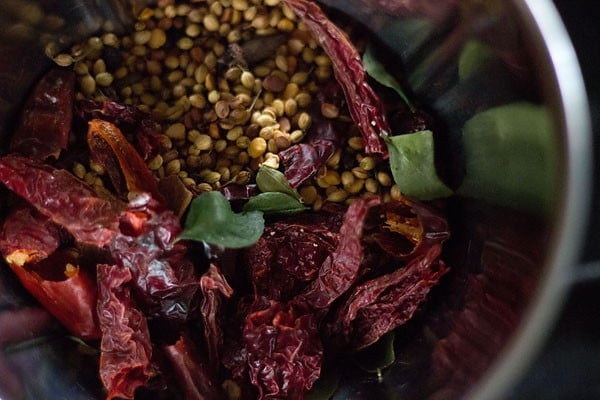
511,251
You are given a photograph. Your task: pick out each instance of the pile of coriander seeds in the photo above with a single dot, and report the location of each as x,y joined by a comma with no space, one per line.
231,82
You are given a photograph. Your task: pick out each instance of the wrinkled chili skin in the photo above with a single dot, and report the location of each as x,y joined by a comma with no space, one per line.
62,198
29,243
340,270
302,160
284,351
126,349
382,304
215,289
364,105
162,274
124,165
137,125
288,256
28,237
44,127
434,225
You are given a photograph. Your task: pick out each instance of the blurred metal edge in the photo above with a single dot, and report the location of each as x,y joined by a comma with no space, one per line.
566,93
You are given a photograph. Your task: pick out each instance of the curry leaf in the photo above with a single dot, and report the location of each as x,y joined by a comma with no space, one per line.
275,203
377,71
473,56
413,167
511,157
211,220
272,180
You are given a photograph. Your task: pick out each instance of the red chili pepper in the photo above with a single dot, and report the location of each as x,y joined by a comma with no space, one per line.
396,296
365,106
163,275
340,270
124,165
72,300
284,351
133,122
214,287
126,350
28,237
45,125
61,197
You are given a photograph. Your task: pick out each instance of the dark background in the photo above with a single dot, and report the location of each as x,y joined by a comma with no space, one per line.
568,366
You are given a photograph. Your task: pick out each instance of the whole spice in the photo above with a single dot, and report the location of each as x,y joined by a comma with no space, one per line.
230,107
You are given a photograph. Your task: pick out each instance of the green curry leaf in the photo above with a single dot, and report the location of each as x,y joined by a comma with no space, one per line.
275,203
377,71
511,157
210,219
413,167
272,180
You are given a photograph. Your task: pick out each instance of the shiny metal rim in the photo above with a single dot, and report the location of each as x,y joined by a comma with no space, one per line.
566,92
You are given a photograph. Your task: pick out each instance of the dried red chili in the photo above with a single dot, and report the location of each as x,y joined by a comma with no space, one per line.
407,229
29,243
134,123
284,351
303,160
126,349
289,254
45,125
162,275
124,165
61,197
365,106
214,287
71,300
340,269
381,304
28,237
